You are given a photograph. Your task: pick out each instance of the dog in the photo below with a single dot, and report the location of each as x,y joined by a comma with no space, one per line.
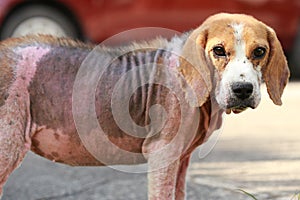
196,77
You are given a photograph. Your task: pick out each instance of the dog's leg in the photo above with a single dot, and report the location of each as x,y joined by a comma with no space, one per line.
163,166
14,133
181,178
162,181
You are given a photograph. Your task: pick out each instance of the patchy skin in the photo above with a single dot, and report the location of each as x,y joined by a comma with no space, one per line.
54,129
58,149
36,84
42,78
52,88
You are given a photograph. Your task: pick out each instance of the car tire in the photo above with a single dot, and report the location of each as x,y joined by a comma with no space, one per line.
34,19
295,57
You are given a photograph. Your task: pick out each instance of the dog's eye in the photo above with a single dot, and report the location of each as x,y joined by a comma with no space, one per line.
219,51
259,52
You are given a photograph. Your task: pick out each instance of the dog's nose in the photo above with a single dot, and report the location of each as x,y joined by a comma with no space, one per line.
242,90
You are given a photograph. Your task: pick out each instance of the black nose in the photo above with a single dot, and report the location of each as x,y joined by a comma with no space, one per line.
242,90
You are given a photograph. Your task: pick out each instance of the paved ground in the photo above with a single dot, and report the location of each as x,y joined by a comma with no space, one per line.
258,151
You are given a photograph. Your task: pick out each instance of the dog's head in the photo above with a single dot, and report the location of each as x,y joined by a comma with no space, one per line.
233,53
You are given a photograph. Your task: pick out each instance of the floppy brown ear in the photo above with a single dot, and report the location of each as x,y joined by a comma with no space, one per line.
194,66
276,73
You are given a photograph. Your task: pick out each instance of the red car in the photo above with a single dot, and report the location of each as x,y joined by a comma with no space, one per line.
96,20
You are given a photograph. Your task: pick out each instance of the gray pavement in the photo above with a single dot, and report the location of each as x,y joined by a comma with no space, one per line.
258,151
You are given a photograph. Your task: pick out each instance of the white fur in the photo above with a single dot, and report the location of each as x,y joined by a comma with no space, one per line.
239,69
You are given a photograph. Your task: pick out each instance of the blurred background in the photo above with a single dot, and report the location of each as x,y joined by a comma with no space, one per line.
258,151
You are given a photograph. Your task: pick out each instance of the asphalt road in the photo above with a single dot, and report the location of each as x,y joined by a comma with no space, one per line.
258,151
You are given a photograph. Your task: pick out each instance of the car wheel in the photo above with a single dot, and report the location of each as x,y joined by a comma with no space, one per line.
295,57
42,19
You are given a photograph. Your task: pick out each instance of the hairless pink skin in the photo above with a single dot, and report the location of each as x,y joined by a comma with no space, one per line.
36,114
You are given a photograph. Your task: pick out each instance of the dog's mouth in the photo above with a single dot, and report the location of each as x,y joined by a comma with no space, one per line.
238,107
236,110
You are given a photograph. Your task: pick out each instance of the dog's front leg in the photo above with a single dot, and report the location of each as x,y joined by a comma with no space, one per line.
163,165
162,181
181,178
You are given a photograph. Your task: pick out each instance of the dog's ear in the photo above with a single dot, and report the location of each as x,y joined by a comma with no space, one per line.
276,73
194,66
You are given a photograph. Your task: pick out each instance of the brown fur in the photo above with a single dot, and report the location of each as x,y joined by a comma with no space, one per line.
198,50
276,72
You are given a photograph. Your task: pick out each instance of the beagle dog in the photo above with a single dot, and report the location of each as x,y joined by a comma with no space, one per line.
152,102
